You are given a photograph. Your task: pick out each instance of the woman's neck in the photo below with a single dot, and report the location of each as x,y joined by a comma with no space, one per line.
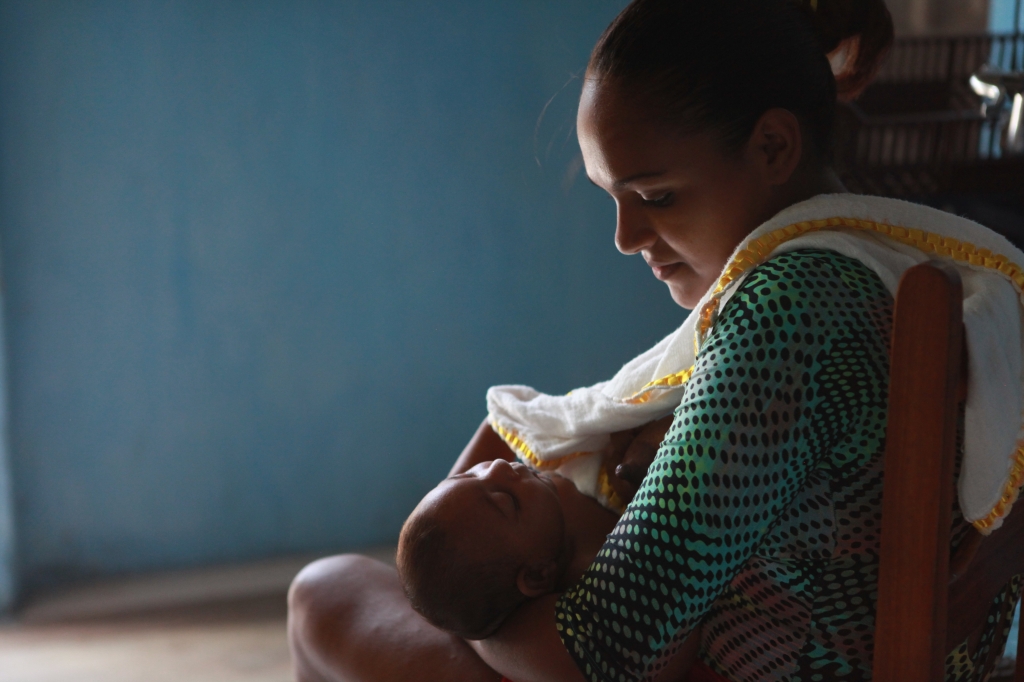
807,184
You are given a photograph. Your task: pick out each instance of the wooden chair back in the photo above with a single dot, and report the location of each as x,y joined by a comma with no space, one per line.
928,604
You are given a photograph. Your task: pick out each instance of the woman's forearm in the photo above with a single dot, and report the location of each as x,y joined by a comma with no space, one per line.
527,648
485,446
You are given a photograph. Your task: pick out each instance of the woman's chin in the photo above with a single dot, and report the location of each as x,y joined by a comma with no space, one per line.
684,296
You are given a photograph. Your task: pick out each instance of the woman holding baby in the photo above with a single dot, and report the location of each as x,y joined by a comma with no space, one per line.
749,546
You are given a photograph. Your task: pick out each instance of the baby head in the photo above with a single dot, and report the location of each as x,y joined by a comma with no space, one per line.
480,544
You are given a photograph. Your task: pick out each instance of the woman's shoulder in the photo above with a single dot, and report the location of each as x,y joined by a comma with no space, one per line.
804,266
812,278
809,298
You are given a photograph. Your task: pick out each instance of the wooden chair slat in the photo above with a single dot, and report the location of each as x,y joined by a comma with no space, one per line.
917,500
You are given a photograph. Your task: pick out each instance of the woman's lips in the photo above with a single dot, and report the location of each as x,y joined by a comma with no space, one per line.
664,272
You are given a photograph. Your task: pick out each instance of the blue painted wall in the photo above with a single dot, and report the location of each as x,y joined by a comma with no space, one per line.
8,569
263,259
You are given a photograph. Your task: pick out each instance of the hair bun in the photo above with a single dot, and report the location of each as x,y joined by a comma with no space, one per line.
856,35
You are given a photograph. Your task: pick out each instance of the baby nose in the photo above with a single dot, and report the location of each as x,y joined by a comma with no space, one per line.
502,469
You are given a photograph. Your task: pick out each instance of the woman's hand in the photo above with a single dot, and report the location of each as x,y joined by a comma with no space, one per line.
630,454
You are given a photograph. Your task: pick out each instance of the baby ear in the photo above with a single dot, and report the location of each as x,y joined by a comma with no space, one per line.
538,579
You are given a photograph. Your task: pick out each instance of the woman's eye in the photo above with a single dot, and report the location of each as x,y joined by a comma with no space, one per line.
659,202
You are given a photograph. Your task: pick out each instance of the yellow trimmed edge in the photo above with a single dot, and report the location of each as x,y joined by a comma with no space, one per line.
524,451
606,489
647,392
1010,492
757,252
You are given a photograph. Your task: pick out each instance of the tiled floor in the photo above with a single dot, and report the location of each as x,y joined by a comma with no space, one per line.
213,625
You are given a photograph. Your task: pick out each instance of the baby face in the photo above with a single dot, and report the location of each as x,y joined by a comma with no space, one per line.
501,509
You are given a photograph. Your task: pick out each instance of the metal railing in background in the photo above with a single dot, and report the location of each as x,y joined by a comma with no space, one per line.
950,58
922,129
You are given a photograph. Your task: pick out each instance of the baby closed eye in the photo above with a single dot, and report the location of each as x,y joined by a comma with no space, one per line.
507,503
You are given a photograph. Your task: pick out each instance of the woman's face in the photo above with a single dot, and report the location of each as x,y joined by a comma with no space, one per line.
682,202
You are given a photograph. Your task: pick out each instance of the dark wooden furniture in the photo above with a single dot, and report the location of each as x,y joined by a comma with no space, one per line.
918,131
928,603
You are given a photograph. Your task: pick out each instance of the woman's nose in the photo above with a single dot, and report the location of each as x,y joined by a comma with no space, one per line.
632,232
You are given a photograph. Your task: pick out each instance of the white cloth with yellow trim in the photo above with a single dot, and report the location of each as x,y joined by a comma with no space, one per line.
887,235
585,471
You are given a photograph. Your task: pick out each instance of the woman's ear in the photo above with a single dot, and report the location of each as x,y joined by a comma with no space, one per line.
538,579
776,146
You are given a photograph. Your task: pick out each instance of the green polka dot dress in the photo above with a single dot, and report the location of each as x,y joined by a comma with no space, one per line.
759,518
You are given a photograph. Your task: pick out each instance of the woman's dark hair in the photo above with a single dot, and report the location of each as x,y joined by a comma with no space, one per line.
718,65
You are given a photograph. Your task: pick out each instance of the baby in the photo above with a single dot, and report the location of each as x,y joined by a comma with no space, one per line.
484,541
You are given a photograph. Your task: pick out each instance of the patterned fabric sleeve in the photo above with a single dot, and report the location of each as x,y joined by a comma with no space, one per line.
788,394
